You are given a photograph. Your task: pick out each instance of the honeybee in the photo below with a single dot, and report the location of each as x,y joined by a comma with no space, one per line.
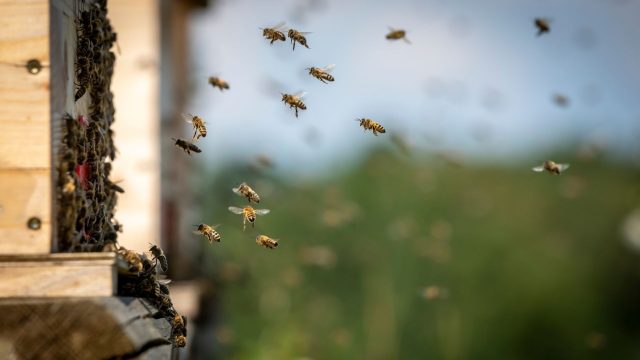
369,124
179,323
199,129
266,241
69,185
297,36
542,25
248,213
397,34
246,191
295,101
208,231
186,146
322,74
180,341
274,33
159,257
133,260
551,167
219,83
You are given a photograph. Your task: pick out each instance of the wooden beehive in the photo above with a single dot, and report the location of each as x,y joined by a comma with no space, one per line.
39,82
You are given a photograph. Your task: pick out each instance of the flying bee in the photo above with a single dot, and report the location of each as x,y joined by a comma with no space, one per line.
246,191
551,167
397,34
199,129
322,74
295,101
274,33
159,257
298,37
186,146
369,124
248,213
217,82
208,231
542,25
266,241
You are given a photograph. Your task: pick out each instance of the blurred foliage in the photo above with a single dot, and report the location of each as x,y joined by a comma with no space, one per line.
407,259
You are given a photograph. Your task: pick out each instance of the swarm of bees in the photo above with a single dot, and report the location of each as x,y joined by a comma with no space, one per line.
551,167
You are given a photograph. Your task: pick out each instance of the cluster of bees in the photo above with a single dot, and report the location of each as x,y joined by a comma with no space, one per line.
139,277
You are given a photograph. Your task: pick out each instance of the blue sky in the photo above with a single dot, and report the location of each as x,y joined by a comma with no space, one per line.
475,80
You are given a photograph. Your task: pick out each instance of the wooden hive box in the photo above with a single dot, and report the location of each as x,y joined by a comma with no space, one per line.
37,76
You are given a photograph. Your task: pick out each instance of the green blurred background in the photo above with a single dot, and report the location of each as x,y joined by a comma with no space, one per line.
413,257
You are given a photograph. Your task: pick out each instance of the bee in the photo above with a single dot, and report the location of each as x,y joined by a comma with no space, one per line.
295,101
297,36
561,100
369,124
322,74
199,129
133,260
551,167
159,257
69,185
246,191
208,231
180,341
266,241
115,187
219,83
179,323
397,34
186,146
274,33
542,25
163,286
248,213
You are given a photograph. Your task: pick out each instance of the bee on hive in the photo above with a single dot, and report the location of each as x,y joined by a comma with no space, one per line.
159,257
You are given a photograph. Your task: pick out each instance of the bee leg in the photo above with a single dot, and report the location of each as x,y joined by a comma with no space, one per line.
296,112
321,79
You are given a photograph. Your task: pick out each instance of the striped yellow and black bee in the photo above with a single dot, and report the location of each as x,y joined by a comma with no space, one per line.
274,33
248,214
542,25
397,34
295,101
159,257
209,232
218,83
298,37
369,124
322,74
266,241
187,146
246,191
552,167
199,128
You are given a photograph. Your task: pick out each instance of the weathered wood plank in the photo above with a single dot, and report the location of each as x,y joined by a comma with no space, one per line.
25,194
58,275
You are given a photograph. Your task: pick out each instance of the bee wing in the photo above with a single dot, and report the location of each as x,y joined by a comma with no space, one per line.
538,168
406,40
391,29
188,118
262,211
237,189
164,281
235,210
279,25
300,94
328,68
563,167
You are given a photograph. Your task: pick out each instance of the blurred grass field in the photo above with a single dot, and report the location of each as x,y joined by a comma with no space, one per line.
415,259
